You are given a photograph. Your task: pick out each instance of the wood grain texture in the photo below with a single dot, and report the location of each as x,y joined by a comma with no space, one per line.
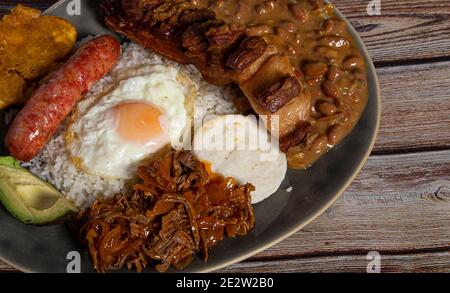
398,203
433,262
405,30
415,98
415,107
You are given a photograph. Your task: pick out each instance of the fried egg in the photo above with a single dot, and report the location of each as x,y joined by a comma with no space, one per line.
237,146
127,123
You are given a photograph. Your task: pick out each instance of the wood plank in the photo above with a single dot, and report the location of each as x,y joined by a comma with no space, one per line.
418,262
399,203
417,99
433,262
4,268
415,107
405,30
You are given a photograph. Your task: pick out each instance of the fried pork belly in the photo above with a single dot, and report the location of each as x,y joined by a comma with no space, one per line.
275,92
222,52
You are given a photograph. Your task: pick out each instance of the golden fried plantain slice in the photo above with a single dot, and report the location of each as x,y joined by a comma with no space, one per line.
30,44
12,88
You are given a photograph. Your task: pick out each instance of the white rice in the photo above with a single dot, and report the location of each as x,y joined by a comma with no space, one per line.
54,165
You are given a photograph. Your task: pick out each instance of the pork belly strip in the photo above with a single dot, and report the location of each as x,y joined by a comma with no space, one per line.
223,53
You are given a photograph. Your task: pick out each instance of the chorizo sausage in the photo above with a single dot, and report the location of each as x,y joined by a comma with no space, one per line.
52,102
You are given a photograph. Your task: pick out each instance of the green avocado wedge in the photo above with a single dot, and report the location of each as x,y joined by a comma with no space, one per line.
28,198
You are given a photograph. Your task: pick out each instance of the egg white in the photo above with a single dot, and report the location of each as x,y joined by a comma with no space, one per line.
92,140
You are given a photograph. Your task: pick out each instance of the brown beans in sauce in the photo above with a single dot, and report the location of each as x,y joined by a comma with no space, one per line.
259,30
334,73
282,33
327,26
326,52
330,89
358,84
334,42
319,143
271,4
353,62
335,133
291,50
298,39
288,26
316,3
296,154
315,92
299,12
326,108
355,99
315,69
261,9
334,119
333,27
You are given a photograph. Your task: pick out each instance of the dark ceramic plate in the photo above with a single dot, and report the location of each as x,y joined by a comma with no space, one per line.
45,249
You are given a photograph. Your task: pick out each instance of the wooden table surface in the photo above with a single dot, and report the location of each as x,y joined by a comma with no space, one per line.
399,205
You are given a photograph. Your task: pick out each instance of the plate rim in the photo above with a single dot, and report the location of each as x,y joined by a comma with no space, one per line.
294,229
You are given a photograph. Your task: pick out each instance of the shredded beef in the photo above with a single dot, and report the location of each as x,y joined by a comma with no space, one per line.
177,209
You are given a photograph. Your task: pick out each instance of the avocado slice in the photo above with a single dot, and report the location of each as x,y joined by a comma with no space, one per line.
28,198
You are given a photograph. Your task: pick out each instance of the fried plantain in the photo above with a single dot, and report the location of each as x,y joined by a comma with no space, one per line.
11,89
30,45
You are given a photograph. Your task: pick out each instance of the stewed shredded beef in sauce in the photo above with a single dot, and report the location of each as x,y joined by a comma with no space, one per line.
177,209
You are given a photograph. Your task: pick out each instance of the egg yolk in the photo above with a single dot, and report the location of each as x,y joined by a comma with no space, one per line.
139,123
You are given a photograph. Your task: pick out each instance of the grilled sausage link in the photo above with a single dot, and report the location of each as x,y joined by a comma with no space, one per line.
52,102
